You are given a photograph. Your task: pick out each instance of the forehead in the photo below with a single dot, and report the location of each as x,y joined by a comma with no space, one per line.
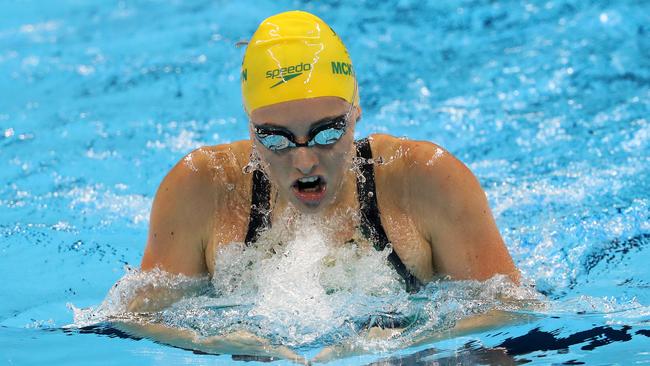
299,114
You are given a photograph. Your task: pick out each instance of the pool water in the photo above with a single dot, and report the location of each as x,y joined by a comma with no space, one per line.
546,101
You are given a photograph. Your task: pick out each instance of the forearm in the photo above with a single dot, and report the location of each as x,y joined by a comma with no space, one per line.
155,290
151,299
182,338
235,343
472,324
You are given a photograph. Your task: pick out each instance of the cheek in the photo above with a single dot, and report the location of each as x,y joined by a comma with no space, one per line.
274,165
339,159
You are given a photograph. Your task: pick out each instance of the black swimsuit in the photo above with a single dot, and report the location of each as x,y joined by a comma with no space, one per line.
371,226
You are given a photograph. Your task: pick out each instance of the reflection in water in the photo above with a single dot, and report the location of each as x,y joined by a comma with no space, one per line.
468,354
536,340
471,353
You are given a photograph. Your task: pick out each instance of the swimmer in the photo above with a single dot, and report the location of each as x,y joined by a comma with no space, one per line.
300,93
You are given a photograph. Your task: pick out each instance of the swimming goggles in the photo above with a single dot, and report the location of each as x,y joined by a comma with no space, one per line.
325,134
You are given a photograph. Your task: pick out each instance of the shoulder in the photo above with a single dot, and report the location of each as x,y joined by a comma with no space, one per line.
423,173
208,166
189,198
200,177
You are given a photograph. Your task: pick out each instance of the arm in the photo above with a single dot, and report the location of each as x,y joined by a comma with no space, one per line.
180,219
236,343
464,238
473,324
179,228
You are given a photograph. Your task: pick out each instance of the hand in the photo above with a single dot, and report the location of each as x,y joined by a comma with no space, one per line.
246,343
351,349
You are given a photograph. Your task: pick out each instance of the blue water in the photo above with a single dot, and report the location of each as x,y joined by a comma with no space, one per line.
546,101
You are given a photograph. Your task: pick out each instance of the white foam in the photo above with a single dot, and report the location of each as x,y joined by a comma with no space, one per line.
300,284
297,286
103,200
119,297
290,288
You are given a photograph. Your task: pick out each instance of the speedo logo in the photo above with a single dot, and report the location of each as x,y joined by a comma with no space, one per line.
287,73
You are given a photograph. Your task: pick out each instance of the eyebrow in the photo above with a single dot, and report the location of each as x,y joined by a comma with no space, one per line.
313,125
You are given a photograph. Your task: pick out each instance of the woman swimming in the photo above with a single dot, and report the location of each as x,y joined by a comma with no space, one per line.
299,90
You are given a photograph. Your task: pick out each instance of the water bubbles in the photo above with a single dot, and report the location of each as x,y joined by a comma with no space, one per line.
76,246
85,70
299,287
189,162
357,168
603,17
290,289
138,291
249,168
62,226
299,284
254,163
438,153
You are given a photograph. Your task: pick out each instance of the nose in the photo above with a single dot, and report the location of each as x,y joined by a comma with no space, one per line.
305,160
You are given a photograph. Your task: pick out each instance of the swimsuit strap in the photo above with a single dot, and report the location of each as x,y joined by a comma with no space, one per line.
260,206
371,225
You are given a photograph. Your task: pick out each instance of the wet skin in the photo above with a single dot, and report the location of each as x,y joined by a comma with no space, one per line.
432,207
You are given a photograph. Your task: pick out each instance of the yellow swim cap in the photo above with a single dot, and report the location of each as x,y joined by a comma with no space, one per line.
295,55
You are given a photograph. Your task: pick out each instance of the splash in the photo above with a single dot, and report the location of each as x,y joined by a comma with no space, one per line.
254,162
298,287
298,284
133,286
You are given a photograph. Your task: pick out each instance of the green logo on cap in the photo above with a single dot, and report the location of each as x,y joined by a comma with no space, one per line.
342,68
287,73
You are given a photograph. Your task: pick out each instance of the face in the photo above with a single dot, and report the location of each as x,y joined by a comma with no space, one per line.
319,136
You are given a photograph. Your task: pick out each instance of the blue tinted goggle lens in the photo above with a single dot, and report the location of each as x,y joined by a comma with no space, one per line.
324,135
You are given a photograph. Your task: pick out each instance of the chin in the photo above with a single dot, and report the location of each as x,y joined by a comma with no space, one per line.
313,208
310,208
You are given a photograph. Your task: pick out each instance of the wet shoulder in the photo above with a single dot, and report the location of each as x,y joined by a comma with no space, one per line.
212,171
223,163
406,161
424,176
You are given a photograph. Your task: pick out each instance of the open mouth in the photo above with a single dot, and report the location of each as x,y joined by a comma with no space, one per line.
310,190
